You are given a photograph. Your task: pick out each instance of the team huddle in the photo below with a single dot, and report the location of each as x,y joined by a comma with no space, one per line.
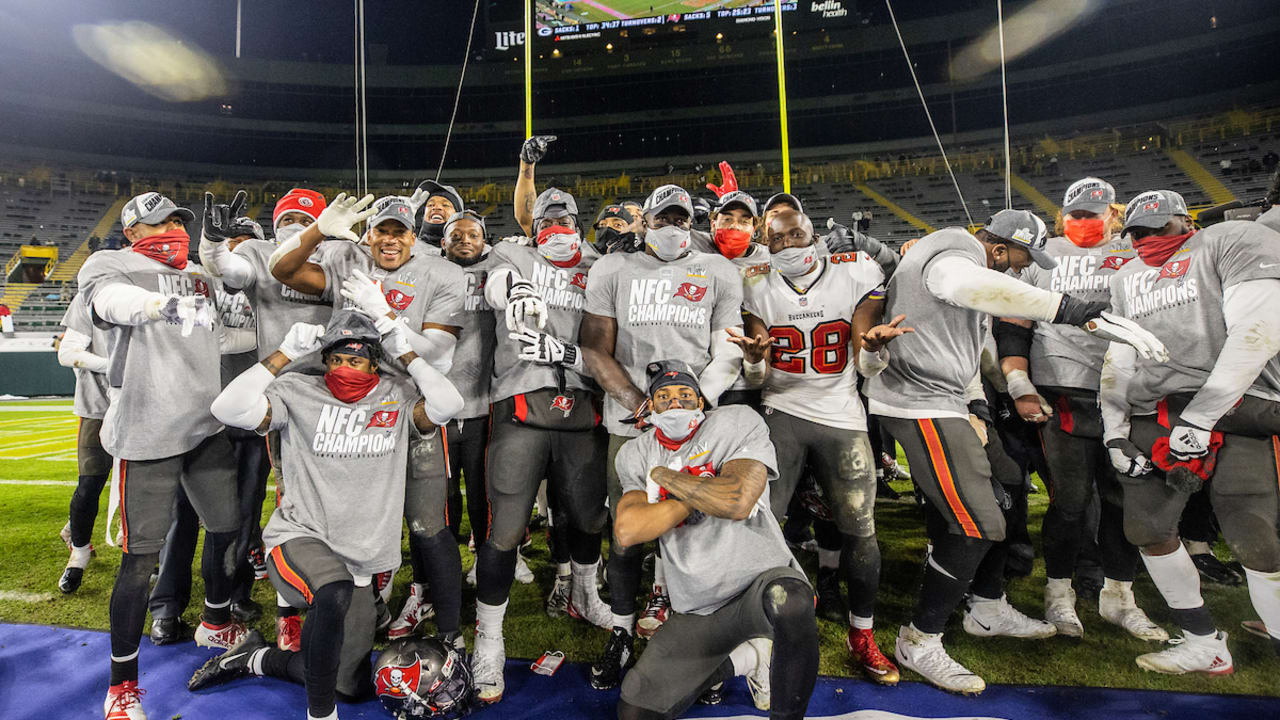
687,380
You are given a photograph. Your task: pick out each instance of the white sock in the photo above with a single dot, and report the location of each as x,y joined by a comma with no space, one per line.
743,658
1264,591
564,570
584,577
1197,547
489,619
1124,587
1058,585
419,589
828,558
79,557
1176,577
861,623
659,572
626,622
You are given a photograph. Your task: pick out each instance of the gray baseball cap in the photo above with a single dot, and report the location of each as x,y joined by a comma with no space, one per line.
553,198
1024,229
668,196
738,197
393,207
1091,194
445,191
1154,209
464,215
151,208
349,326
780,198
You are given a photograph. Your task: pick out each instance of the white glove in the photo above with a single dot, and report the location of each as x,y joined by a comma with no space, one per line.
302,339
1127,459
652,488
189,311
525,306
519,240
394,342
366,294
416,200
1187,442
344,213
540,347
1109,326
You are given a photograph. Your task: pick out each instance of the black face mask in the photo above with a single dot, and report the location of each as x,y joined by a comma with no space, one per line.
609,240
432,233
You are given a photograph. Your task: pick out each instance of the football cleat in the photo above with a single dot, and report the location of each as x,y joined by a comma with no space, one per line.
1116,605
289,633
992,618
416,610
558,600
70,580
713,695
228,666
124,702
225,636
1060,610
619,654
585,603
656,612
1256,627
830,604
864,653
1191,653
246,611
924,654
758,678
258,562
486,668
524,575
1215,571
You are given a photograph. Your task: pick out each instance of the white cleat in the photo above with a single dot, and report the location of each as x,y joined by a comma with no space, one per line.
758,678
996,618
124,702
558,600
585,603
486,668
1060,610
223,637
524,575
1116,605
924,654
1191,654
415,611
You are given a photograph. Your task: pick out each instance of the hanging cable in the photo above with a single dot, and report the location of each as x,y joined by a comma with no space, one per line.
1004,97
355,84
364,108
928,114
457,97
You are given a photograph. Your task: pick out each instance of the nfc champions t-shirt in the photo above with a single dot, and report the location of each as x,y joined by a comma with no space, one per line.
277,305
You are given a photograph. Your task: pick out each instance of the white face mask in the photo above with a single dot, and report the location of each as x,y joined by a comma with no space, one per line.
668,242
677,423
559,244
288,232
794,261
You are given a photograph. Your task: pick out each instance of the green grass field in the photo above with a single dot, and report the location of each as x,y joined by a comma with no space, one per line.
37,475
594,12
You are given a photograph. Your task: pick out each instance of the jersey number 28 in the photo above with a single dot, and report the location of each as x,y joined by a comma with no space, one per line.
828,344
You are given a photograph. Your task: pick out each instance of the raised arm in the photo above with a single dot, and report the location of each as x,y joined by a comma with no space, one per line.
531,152
218,227
290,263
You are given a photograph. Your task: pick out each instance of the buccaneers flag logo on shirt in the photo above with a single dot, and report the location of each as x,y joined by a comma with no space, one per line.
1175,269
384,419
691,292
1114,262
398,300
579,280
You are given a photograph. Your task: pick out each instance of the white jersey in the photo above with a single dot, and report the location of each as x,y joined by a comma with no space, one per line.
812,374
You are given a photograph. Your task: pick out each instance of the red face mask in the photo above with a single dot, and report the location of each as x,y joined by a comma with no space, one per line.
732,243
169,247
1155,250
350,385
1084,232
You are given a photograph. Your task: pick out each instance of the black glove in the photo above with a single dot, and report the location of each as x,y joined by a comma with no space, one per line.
1078,312
840,239
701,211
220,220
533,149
981,410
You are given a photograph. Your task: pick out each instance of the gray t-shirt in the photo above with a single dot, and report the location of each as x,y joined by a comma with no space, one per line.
472,369
162,383
1064,355
1180,302
277,305
91,387
236,313
710,560
664,311
564,291
929,369
346,465
426,289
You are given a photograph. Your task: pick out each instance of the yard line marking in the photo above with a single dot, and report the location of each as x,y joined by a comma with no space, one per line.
26,597
60,483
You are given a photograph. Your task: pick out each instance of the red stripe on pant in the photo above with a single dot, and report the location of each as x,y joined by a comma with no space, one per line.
942,470
288,574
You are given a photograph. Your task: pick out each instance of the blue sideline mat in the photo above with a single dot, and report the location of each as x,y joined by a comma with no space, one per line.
49,672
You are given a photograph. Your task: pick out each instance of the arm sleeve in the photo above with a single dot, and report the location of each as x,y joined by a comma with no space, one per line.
496,286
120,303
443,402
73,352
1253,339
235,271
234,341
725,365
1113,390
243,402
958,280
434,346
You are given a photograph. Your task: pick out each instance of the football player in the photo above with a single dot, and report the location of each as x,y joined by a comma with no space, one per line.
669,299
345,439
164,373
1211,412
544,414
1052,373
698,484
949,284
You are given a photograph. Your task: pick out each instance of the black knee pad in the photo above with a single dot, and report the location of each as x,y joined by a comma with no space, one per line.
1142,529
137,566
788,599
334,597
1251,537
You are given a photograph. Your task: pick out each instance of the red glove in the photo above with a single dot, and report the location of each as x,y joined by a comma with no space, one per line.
1191,474
730,181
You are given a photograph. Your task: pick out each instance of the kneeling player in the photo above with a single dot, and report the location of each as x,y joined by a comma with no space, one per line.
344,437
698,484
